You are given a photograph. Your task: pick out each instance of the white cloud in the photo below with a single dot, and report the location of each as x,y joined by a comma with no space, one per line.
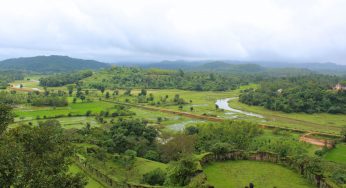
118,30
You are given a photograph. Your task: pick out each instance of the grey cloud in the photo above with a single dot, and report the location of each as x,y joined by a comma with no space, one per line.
117,30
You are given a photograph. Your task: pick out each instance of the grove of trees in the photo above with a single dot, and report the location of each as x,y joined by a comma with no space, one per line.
309,94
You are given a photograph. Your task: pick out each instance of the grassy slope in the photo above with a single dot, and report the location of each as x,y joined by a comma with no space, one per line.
91,182
240,173
117,172
338,154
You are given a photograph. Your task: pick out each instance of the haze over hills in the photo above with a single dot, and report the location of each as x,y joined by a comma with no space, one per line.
55,63
51,63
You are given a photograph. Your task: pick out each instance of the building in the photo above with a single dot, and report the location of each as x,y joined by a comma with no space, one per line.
340,87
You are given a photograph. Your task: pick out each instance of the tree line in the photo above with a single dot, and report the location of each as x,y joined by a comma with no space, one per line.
132,77
309,94
63,79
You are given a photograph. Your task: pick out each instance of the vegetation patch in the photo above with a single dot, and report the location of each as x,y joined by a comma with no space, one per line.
261,174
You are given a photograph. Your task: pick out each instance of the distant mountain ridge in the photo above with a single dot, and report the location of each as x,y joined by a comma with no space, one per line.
250,66
53,63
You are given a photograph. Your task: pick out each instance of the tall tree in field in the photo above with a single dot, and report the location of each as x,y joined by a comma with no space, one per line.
70,89
6,117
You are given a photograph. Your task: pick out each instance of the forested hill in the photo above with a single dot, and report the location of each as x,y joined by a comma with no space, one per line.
52,63
228,68
249,66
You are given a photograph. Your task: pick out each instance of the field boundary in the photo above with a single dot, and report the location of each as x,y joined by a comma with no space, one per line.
217,119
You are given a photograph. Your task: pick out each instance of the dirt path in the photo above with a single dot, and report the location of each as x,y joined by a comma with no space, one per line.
315,141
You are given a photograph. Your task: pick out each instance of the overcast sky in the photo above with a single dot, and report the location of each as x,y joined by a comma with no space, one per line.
154,30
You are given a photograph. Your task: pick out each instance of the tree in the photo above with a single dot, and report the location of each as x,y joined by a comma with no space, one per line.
180,173
70,89
82,97
221,148
6,117
11,162
102,89
31,156
143,92
107,95
191,108
116,92
343,133
191,130
154,177
179,146
127,91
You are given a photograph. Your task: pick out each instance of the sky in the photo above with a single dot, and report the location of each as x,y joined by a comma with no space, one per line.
155,30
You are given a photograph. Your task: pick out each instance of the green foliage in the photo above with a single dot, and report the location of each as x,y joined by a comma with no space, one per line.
63,79
308,94
31,156
284,145
343,133
48,64
132,134
12,98
152,155
9,76
6,117
56,101
237,135
221,148
191,130
179,173
131,77
339,175
177,147
155,177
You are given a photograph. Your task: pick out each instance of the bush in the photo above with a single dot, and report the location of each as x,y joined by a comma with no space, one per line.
221,148
191,130
180,173
155,177
152,155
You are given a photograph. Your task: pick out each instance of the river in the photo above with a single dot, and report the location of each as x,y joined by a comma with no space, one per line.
223,104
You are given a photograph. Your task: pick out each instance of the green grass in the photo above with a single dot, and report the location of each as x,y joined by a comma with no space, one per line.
204,103
31,112
322,122
338,154
115,171
239,174
66,122
91,182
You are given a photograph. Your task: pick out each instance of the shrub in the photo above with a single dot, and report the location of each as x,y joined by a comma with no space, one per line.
152,155
155,177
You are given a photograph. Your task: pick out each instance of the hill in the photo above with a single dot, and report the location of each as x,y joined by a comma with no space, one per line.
52,63
249,66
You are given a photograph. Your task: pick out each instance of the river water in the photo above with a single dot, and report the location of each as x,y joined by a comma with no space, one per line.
223,104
